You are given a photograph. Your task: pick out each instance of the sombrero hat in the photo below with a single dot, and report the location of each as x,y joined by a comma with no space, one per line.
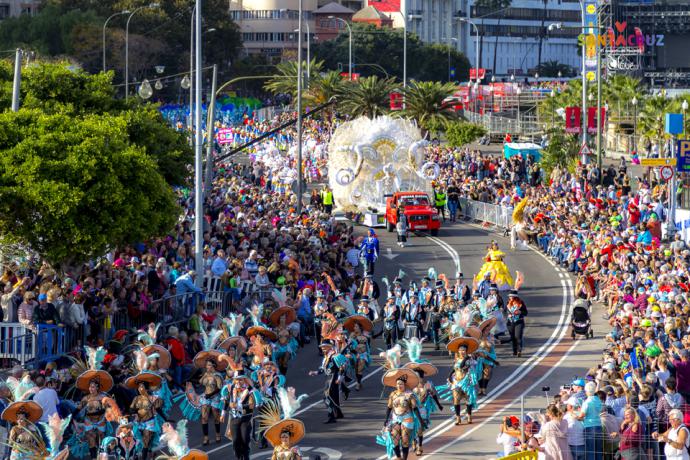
105,381
231,363
427,368
164,358
212,355
364,322
473,332
260,330
291,315
237,341
469,342
32,410
487,325
195,454
291,425
411,378
153,380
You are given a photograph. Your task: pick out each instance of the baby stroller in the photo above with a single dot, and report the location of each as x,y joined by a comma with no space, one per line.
580,321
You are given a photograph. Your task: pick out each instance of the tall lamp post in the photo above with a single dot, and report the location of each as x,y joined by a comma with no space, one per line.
105,24
684,106
299,103
552,95
349,29
152,5
450,40
198,162
308,74
476,54
634,141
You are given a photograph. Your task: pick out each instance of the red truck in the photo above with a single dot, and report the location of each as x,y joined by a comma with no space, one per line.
421,214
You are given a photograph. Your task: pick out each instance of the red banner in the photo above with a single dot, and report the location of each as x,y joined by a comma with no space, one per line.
499,89
396,101
592,119
473,73
573,120
346,75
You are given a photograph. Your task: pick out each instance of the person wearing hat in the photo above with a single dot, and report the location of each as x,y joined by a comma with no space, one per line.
369,251
402,413
358,345
24,438
127,442
240,401
333,366
434,311
391,317
211,405
486,360
461,380
413,316
145,407
516,311
496,268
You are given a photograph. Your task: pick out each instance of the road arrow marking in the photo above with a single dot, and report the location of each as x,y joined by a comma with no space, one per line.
389,254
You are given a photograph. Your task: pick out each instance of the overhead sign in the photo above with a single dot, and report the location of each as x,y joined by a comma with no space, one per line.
683,155
655,162
473,73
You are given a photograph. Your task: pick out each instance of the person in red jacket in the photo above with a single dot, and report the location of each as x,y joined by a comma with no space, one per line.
176,349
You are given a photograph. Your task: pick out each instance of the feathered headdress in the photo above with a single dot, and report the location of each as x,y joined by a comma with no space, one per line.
211,338
256,313
141,361
413,348
401,274
519,211
385,281
392,357
54,430
444,278
279,296
331,329
346,303
288,402
175,438
232,324
269,415
21,389
148,337
94,357
431,273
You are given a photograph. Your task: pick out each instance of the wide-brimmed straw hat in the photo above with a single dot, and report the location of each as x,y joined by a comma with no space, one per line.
31,409
290,425
410,377
364,322
289,312
153,380
470,343
262,331
164,358
104,380
195,454
473,332
486,326
203,357
427,369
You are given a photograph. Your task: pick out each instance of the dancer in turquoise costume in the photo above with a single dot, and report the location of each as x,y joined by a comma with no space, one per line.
462,384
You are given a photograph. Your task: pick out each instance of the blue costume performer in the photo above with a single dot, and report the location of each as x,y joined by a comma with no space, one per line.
462,384
369,251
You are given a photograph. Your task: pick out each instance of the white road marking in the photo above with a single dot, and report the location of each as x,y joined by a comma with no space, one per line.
451,251
389,254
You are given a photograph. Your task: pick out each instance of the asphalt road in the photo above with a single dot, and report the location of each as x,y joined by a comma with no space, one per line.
353,438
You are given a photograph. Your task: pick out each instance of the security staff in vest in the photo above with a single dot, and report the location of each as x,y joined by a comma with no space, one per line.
327,199
440,199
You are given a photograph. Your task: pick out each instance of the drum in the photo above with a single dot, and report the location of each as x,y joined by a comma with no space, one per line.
410,331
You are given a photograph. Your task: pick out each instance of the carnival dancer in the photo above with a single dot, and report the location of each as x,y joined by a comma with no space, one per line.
425,391
54,431
518,236
320,308
358,345
461,386
403,420
486,356
413,316
498,270
145,407
391,317
285,347
434,311
260,337
240,402
96,408
284,433
126,441
212,382
369,251
232,344
333,366
24,440
158,362
175,438
516,311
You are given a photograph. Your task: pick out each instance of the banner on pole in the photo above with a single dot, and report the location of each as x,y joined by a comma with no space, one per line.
592,119
473,73
591,33
573,120
224,136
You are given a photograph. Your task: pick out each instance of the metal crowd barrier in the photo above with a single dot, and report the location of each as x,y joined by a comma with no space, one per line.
487,213
17,343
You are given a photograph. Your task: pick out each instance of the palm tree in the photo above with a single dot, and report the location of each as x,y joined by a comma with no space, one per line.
651,119
424,103
619,91
553,68
495,6
368,97
323,88
284,80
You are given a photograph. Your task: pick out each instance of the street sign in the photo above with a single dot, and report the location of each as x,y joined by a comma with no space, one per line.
666,173
658,162
452,72
585,150
224,136
683,155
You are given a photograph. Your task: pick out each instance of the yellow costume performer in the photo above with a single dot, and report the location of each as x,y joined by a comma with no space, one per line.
496,267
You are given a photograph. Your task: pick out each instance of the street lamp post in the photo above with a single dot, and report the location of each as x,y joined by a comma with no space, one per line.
349,29
450,39
476,54
152,5
634,142
552,95
299,104
105,24
684,106
518,91
308,74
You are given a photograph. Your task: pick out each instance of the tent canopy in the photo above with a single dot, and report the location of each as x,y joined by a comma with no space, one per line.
522,148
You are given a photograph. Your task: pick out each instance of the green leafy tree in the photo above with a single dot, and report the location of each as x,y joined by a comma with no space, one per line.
424,103
562,151
460,134
284,80
554,68
368,97
651,121
72,188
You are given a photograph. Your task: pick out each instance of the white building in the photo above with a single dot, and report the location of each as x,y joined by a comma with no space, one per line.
517,28
13,8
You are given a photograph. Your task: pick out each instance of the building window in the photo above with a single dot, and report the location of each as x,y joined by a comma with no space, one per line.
4,11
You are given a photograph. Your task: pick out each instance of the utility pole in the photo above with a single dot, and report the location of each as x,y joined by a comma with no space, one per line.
299,106
598,112
198,172
209,129
16,84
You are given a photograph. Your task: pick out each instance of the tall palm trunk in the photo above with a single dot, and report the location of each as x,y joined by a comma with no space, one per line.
496,44
542,32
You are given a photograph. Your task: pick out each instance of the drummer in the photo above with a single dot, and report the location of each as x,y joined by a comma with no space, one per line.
413,317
